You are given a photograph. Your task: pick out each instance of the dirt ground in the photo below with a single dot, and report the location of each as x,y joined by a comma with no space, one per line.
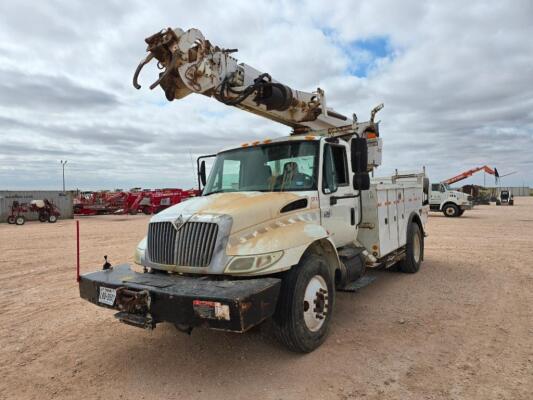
461,328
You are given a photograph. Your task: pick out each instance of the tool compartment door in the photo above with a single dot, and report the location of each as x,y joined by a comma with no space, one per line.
402,218
384,222
393,219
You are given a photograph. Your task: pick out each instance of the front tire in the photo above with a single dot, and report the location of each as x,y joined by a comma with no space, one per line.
450,210
52,218
414,253
305,305
20,220
11,219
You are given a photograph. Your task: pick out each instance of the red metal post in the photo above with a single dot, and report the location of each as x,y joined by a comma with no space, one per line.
77,250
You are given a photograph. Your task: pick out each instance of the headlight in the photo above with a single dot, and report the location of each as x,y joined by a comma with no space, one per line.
253,263
139,252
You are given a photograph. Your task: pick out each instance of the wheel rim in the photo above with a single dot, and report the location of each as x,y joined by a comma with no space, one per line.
416,248
316,303
450,211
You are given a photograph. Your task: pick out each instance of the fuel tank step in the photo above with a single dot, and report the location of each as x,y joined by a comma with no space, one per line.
359,284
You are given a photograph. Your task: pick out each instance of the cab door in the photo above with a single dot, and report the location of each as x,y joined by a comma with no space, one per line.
436,195
338,204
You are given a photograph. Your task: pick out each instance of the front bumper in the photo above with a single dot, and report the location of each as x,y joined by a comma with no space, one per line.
466,206
240,304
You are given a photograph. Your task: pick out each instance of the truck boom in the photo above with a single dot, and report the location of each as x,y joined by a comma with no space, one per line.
191,64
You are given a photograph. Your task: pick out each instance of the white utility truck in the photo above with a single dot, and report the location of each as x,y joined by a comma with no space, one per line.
281,223
452,203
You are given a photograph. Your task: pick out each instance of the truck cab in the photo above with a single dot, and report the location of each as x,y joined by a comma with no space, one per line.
451,203
265,203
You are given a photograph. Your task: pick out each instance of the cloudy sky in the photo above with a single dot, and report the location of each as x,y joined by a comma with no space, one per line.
456,79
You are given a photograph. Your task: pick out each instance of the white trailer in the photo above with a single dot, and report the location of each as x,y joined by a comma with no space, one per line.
281,225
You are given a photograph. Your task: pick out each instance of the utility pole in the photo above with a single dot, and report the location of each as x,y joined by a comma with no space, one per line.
63,163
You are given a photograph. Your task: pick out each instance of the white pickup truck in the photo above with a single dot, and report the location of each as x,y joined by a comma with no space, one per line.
281,224
451,203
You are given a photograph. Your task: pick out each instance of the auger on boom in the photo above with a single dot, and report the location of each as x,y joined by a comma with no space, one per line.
191,64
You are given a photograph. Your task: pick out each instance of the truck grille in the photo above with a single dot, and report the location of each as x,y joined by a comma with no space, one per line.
161,242
192,246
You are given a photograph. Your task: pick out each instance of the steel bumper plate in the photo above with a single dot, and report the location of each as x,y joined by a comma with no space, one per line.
231,305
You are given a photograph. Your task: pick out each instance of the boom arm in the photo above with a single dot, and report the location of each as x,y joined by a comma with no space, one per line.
191,64
470,172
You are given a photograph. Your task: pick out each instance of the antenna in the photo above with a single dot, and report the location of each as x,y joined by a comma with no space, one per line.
192,166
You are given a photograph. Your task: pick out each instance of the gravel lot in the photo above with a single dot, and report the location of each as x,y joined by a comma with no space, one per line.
462,328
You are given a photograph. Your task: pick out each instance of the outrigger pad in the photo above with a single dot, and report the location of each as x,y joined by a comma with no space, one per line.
359,284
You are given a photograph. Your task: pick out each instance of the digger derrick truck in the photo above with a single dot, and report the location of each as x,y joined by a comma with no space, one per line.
281,224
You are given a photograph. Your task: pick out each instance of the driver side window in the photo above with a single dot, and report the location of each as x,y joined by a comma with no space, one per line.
329,180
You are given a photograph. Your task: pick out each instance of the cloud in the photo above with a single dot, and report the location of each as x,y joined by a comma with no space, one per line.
455,78
49,93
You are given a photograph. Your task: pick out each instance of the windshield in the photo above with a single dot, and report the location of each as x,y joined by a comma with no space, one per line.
274,167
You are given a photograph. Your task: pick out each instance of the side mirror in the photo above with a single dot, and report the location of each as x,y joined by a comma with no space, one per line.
359,152
201,173
361,181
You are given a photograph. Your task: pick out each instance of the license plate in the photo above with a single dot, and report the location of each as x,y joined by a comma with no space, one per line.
107,296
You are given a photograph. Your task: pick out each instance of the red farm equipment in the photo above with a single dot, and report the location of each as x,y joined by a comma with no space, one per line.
146,201
153,201
97,203
46,209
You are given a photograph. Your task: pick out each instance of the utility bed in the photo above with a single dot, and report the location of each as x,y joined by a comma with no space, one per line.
145,299
387,207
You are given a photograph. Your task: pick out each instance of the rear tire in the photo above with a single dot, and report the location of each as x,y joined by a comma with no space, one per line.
498,203
20,220
305,305
414,253
11,219
450,210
